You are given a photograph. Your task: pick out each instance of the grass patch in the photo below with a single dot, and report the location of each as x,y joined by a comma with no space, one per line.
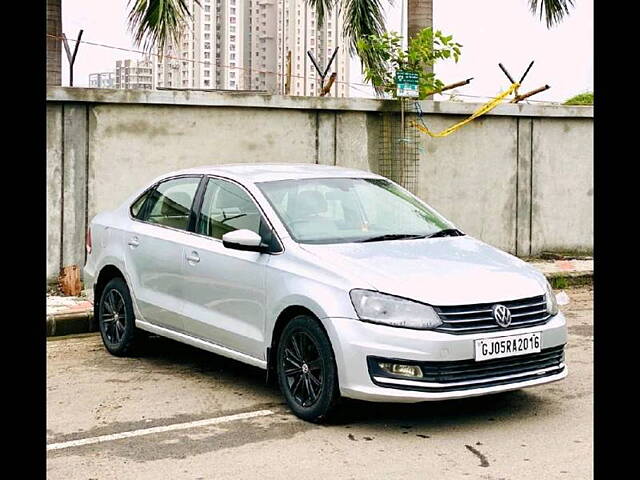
561,282
585,98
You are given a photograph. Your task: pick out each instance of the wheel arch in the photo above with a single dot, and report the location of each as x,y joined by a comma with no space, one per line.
285,316
107,273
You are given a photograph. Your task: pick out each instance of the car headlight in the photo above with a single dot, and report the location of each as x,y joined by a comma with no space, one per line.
552,303
394,311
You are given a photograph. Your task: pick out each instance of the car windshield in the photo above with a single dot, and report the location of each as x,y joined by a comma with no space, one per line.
341,210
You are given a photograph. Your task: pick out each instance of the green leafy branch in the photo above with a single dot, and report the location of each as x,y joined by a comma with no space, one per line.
383,55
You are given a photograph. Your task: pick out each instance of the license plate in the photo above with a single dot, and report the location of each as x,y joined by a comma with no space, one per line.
500,347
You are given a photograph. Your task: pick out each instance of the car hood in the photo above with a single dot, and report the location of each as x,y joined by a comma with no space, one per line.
437,271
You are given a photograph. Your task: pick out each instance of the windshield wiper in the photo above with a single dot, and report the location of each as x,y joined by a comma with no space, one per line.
447,232
392,236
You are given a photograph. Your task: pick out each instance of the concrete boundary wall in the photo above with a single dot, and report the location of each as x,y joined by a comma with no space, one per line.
520,178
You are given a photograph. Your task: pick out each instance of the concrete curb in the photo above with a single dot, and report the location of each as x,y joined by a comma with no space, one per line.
82,322
70,323
560,280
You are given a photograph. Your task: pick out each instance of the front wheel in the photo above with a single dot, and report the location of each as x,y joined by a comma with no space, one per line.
116,318
307,372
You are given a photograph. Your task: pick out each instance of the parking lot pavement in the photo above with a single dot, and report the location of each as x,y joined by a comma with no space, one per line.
178,412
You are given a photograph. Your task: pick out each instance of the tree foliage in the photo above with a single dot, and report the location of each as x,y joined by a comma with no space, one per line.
553,11
385,56
154,22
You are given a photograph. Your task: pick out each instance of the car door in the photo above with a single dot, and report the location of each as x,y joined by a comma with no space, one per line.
224,289
154,250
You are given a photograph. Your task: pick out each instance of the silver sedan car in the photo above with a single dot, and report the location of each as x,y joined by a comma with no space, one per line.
337,282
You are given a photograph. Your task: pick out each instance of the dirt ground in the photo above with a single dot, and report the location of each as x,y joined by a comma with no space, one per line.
545,432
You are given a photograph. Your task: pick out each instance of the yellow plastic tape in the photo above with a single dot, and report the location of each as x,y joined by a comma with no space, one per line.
487,107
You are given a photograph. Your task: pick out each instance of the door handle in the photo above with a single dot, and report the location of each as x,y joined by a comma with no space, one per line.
133,242
193,258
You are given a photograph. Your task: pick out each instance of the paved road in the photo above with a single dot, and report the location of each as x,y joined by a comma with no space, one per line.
540,433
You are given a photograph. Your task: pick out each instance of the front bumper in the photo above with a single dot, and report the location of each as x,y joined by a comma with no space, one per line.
355,341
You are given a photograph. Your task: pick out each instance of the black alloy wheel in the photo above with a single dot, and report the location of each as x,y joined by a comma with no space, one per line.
113,316
303,369
116,318
306,369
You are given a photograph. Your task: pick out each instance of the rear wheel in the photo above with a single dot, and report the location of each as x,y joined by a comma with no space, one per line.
116,319
307,373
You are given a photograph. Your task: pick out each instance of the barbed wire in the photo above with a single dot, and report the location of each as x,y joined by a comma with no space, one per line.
355,85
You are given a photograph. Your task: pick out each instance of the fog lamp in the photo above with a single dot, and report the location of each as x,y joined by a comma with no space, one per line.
399,369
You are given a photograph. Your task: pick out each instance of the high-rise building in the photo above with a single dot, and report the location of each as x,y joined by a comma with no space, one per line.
299,33
102,80
134,74
248,44
211,51
264,33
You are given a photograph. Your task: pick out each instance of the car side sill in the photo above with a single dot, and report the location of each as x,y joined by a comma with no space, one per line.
199,343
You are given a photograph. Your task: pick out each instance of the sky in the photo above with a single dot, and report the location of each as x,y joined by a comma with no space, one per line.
505,33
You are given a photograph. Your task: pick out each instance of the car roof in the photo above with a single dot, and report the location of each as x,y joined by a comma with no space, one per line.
266,172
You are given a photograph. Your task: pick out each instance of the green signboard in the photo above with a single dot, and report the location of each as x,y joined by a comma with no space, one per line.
406,84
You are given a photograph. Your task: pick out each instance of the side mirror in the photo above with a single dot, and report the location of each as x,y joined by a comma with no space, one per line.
244,239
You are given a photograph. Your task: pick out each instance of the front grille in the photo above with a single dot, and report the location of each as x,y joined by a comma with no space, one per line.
468,374
461,319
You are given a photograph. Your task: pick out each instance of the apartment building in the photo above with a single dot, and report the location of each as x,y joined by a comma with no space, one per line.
298,33
212,50
134,74
264,25
245,45
102,80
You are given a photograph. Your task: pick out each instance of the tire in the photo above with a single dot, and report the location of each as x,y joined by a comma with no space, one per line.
118,331
306,370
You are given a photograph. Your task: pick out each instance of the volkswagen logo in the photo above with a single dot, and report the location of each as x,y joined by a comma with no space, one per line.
502,315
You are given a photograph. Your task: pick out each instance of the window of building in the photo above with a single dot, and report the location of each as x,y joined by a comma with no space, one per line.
232,38
232,56
207,72
206,83
232,19
207,36
207,54
207,27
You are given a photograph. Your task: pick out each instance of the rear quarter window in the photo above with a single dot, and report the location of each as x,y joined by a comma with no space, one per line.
136,207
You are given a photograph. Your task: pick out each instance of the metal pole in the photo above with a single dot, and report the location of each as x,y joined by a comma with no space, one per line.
506,73
402,143
449,87
529,94
71,56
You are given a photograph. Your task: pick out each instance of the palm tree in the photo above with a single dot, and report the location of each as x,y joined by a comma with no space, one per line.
54,45
420,13
153,22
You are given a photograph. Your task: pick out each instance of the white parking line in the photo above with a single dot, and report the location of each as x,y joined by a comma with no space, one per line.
164,428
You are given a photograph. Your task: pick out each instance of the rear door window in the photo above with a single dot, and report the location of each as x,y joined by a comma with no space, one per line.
170,202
